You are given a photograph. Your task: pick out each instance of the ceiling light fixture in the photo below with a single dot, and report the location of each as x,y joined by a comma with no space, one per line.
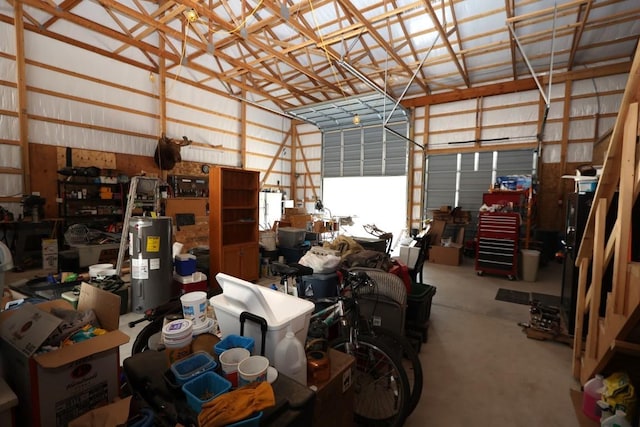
191,15
356,119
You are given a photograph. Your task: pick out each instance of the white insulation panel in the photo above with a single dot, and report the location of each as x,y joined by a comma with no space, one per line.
551,153
10,156
582,129
9,127
7,69
10,185
57,54
580,152
8,98
7,37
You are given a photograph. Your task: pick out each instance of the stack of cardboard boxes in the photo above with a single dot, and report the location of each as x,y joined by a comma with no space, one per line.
445,250
296,218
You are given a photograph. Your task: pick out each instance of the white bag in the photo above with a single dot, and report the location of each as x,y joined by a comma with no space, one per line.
320,263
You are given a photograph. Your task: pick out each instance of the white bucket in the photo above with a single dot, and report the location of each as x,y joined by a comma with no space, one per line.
203,328
177,336
252,369
229,360
194,307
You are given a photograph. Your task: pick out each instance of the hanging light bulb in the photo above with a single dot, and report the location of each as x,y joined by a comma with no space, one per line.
356,119
191,15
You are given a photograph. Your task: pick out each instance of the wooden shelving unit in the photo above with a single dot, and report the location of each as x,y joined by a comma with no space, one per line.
233,222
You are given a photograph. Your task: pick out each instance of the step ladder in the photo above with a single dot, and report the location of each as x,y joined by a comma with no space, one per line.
151,188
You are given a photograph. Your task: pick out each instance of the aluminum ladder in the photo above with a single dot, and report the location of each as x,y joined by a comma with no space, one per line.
151,187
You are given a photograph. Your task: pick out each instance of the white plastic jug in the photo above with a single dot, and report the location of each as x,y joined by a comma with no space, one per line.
619,419
290,358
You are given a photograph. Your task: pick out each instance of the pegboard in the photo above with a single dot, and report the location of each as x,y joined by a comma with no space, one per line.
84,158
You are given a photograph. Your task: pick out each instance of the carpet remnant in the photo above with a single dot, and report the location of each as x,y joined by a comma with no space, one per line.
511,295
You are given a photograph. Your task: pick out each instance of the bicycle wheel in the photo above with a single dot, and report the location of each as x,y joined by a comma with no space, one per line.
380,382
411,362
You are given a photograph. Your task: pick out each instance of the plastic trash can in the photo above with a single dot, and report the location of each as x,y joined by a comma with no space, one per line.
530,263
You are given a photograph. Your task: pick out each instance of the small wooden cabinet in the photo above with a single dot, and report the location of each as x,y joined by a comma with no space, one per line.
233,222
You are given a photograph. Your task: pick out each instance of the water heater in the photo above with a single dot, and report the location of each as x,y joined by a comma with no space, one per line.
151,262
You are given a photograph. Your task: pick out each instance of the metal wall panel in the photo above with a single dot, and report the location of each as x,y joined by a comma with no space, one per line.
332,154
365,151
444,180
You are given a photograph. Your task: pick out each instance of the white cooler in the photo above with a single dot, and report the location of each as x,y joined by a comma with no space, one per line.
277,308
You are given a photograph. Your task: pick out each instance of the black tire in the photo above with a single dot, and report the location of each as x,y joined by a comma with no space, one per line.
141,343
411,361
380,383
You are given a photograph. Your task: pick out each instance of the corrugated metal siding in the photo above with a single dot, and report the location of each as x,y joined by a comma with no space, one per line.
396,150
352,152
332,154
373,150
441,181
442,172
516,162
365,151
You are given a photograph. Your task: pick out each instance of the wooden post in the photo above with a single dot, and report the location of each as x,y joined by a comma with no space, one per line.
23,114
580,308
596,277
625,206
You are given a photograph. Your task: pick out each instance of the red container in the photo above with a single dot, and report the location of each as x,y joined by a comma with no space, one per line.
193,282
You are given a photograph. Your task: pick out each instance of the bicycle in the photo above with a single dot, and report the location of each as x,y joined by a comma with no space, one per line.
382,391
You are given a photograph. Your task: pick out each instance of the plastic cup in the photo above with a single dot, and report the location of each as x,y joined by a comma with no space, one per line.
252,369
194,306
229,360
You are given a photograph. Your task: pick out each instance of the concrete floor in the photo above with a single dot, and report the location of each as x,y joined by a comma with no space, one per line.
480,369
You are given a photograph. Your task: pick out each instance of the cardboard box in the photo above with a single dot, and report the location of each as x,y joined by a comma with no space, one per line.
334,397
294,211
56,387
301,221
409,255
450,254
447,255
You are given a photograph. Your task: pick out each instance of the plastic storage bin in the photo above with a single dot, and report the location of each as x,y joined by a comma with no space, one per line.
419,310
277,308
289,237
191,366
232,341
419,302
204,388
322,285
252,421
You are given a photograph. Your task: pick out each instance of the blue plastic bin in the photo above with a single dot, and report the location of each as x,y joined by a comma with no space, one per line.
193,365
204,388
233,341
252,421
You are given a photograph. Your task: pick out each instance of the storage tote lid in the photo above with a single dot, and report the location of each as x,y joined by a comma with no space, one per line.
246,295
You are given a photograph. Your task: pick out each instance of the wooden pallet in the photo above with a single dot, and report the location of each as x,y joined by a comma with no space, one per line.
538,334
